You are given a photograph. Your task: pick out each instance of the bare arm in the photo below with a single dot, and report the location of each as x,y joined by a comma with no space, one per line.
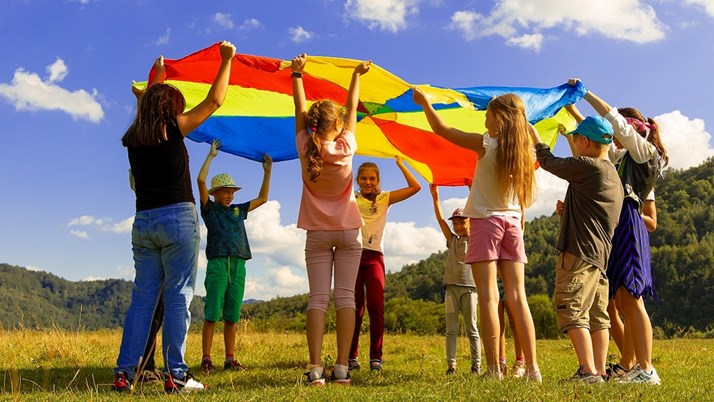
159,78
412,188
188,121
649,215
297,65
445,229
265,187
472,141
203,173
353,96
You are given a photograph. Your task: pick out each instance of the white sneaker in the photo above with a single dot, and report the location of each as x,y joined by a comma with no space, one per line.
316,376
186,384
643,377
519,369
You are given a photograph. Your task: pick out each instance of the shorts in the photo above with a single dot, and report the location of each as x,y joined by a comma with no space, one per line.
496,238
225,286
581,291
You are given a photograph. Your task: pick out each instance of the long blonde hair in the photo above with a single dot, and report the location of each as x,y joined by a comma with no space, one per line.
321,118
515,160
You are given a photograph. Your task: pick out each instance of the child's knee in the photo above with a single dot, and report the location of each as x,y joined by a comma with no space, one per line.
320,301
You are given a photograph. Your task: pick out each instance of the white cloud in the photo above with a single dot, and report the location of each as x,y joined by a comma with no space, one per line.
707,5
407,244
79,233
100,224
277,281
28,92
299,34
163,39
687,141
92,279
533,41
126,272
57,70
33,268
386,15
223,20
550,189
521,22
250,23
283,244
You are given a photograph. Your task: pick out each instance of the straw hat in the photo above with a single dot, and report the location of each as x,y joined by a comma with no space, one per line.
220,181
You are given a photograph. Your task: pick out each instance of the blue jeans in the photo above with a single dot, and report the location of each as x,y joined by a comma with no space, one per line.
165,243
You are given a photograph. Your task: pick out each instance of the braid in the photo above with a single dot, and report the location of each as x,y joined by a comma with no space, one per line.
321,119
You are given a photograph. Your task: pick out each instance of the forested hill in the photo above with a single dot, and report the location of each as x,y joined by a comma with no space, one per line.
36,299
682,260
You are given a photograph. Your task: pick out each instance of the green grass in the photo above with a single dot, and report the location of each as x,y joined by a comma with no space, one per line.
67,365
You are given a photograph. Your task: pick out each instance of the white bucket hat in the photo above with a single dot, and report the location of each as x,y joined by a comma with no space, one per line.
220,181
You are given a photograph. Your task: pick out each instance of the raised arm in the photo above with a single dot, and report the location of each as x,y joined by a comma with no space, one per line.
353,96
159,78
445,229
472,141
297,65
412,188
188,121
265,187
203,173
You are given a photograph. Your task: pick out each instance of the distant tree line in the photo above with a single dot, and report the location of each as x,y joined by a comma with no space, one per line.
682,262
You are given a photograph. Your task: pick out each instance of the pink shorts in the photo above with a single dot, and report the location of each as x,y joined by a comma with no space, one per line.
496,238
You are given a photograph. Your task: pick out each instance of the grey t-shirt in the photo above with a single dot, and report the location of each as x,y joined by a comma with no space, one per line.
456,272
592,204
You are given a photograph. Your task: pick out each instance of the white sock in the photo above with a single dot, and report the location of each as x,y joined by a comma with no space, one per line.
341,371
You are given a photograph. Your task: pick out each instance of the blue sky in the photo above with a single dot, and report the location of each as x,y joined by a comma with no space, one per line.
65,101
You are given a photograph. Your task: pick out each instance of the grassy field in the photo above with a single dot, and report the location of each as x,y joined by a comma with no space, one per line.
68,365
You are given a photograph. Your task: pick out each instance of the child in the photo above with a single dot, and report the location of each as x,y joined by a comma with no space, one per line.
326,143
640,159
227,250
588,219
460,295
165,236
373,205
503,187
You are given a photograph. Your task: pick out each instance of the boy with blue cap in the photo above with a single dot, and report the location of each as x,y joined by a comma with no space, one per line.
588,218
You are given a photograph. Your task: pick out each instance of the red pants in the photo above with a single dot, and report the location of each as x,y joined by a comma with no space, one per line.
371,277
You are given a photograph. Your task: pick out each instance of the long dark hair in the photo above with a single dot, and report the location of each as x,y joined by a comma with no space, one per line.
157,108
653,137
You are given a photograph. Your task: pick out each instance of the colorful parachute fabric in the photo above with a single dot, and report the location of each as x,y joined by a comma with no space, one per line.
258,114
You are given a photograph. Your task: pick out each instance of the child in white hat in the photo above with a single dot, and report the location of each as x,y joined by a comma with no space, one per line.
227,249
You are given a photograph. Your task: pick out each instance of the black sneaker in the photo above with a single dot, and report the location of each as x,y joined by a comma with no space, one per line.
315,376
340,381
180,385
375,364
476,369
583,376
353,364
451,370
122,383
233,365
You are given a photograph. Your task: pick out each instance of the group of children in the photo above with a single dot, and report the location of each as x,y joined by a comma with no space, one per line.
345,237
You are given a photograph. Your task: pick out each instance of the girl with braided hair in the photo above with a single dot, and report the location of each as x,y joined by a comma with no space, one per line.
326,143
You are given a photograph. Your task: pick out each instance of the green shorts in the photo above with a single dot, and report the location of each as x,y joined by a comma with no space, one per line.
225,286
581,294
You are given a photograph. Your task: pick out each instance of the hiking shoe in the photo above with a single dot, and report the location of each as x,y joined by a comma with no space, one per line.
615,371
150,376
642,377
353,364
340,381
207,366
375,364
316,376
519,369
476,369
181,385
233,365
583,376
122,383
451,370
504,367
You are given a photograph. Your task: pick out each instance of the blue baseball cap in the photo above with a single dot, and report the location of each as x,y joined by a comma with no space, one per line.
595,128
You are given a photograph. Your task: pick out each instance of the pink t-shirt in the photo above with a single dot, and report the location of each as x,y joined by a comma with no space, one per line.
329,203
